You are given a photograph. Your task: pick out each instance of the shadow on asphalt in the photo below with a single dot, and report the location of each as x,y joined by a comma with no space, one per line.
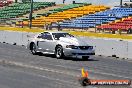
67,58
46,55
76,59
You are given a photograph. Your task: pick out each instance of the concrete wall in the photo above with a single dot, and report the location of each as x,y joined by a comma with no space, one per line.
106,47
18,38
111,47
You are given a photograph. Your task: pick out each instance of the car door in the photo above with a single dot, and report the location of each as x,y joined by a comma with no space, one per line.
46,43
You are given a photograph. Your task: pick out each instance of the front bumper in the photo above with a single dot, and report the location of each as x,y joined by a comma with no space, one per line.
78,53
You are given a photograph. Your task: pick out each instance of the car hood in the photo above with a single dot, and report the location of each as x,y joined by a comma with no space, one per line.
73,41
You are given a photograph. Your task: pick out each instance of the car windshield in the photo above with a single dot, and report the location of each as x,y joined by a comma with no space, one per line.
58,35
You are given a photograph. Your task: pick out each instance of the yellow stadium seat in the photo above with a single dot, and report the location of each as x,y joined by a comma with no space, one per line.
68,14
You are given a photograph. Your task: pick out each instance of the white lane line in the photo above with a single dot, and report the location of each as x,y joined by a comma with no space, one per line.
110,74
37,68
80,70
58,65
97,72
103,65
58,81
12,50
68,82
55,71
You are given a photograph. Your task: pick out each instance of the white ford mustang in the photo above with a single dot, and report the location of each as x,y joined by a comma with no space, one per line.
61,44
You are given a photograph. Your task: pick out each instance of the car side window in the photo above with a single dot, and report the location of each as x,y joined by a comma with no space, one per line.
45,36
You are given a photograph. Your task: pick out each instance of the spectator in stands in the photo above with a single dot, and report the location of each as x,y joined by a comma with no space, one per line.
50,26
129,31
22,24
59,27
19,24
46,26
119,30
113,31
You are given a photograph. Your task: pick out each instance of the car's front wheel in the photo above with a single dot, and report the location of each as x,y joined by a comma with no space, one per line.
33,49
59,52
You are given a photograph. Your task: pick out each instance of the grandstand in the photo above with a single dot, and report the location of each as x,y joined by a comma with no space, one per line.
72,11
18,9
89,19
15,11
55,15
5,3
125,24
38,13
122,24
93,20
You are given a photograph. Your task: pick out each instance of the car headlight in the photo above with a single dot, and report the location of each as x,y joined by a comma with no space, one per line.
72,46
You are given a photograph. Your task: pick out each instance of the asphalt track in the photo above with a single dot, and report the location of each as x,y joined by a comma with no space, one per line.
20,69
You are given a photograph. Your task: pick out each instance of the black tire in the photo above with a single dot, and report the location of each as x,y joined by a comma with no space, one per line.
59,52
33,49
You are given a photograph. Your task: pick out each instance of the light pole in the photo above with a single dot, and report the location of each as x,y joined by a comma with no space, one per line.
63,1
95,25
121,3
30,15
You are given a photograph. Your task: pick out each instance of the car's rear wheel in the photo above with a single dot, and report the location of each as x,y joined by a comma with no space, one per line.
33,49
59,52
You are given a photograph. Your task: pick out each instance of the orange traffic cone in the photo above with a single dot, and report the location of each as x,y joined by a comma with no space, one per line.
84,80
84,73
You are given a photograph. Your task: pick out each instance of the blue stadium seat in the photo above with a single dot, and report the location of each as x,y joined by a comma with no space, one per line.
92,20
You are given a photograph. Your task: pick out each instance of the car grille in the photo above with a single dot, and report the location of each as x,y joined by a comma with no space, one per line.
84,47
